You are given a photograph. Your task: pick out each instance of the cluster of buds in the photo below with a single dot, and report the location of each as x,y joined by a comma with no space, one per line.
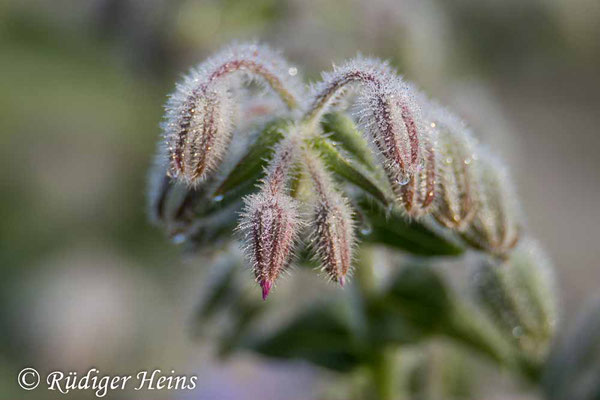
429,160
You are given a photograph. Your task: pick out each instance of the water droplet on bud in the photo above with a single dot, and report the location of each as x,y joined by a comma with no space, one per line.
403,179
218,198
179,238
366,229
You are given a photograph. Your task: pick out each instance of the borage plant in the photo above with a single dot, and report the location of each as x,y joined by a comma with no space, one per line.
250,156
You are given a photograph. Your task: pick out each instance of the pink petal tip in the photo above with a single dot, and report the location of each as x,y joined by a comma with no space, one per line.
341,280
266,288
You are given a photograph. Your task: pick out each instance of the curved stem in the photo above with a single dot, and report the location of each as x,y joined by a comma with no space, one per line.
333,88
255,68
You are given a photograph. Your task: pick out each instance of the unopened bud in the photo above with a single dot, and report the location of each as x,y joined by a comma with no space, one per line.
270,218
456,202
386,111
495,227
200,114
332,225
520,295
270,224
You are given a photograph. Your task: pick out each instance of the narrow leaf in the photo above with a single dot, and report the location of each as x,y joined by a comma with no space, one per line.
321,335
341,129
395,230
348,170
251,165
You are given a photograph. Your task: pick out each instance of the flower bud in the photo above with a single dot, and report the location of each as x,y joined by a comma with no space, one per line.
520,295
270,218
456,203
270,223
200,114
386,110
495,226
332,225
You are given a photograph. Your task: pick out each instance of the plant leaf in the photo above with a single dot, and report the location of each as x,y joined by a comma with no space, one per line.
321,335
415,306
419,304
251,165
348,170
394,230
342,130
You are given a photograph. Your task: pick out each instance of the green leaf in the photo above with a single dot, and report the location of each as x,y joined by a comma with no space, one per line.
250,167
468,326
394,230
322,335
419,303
342,130
347,169
416,305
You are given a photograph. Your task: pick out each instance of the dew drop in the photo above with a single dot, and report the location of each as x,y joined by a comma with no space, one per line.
517,331
218,198
179,238
402,180
293,71
366,229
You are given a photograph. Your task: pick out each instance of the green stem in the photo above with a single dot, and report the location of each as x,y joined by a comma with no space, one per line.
381,369
365,278
383,373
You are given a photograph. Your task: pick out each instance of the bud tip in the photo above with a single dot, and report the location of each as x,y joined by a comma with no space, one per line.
266,288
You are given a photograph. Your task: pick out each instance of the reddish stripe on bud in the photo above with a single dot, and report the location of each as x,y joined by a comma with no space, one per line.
413,136
418,194
278,172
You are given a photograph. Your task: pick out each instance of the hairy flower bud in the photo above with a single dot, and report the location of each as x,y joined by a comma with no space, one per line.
270,223
270,218
386,111
333,229
418,193
200,114
495,226
456,202
519,295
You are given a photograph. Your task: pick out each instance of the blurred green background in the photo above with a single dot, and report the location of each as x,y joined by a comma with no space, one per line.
86,281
